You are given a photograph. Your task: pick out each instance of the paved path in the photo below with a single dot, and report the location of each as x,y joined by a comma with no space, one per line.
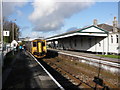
25,72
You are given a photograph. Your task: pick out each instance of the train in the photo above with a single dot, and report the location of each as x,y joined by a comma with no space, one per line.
37,47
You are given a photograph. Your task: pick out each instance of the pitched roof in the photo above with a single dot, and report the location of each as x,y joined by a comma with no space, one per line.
79,30
106,27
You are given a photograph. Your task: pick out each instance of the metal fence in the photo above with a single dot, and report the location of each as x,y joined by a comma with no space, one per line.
3,51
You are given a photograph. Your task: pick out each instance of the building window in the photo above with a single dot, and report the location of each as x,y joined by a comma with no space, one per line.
99,44
75,43
116,38
70,43
89,40
81,42
111,39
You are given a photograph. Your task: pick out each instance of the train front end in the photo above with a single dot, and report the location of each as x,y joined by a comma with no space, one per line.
39,48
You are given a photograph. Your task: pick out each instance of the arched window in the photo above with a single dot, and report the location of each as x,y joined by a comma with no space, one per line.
111,39
99,44
116,38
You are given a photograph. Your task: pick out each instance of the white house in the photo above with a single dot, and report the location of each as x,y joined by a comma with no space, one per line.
14,44
97,38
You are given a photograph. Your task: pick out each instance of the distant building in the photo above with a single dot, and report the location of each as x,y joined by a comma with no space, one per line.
26,39
97,38
21,39
14,44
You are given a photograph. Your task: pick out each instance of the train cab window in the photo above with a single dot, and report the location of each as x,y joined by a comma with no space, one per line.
43,43
34,44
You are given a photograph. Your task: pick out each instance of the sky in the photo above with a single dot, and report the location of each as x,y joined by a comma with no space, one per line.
45,18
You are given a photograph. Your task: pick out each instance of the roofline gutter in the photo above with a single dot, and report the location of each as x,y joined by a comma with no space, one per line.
82,34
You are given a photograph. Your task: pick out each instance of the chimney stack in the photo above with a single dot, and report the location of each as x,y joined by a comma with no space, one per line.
95,22
115,24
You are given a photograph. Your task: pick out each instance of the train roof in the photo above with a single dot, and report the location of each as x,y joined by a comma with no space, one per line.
38,40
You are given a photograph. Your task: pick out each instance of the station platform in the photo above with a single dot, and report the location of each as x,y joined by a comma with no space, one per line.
25,72
85,54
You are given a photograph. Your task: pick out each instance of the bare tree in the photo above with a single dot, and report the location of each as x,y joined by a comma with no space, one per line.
7,26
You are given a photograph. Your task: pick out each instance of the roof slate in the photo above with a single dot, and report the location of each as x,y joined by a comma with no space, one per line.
106,27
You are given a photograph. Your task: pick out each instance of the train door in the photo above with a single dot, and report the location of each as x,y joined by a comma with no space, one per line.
39,47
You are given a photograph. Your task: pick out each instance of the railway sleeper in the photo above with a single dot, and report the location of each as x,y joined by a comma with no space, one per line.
72,77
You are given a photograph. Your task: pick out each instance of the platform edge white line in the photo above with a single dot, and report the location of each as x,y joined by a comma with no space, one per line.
48,73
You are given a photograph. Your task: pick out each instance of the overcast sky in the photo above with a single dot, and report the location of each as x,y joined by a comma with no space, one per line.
45,18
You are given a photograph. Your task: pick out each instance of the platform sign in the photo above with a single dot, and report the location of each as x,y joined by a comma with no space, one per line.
6,33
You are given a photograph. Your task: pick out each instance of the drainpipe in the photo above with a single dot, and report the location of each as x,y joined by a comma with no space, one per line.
107,44
96,45
103,48
1,32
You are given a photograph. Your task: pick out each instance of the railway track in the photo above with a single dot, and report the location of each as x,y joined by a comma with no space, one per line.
96,60
81,77
74,78
113,67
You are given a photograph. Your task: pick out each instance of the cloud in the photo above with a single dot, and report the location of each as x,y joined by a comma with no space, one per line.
11,7
34,34
50,15
19,13
25,27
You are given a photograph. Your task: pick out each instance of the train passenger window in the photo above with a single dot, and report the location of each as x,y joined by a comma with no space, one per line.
34,44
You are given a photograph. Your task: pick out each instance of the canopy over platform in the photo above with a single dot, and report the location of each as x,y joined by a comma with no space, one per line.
88,31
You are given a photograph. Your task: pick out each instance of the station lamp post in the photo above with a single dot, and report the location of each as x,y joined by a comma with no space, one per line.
1,33
1,42
13,28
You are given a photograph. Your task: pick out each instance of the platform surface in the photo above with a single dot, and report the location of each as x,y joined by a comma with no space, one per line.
85,54
25,72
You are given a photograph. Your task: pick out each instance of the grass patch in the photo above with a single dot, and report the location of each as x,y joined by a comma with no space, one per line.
110,56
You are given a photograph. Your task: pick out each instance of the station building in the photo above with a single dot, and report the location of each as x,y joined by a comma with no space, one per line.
97,38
